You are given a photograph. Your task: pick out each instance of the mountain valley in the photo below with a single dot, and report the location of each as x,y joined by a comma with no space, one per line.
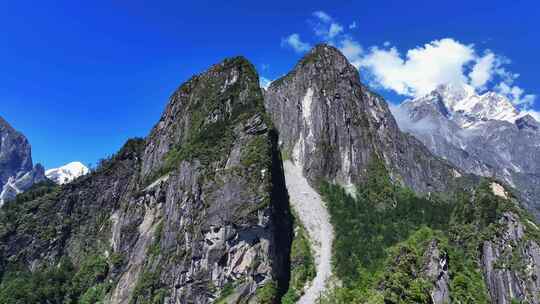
309,191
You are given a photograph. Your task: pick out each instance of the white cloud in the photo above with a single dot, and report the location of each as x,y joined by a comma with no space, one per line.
352,50
334,30
419,70
324,17
443,61
405,123
422,69
482,71
326,27
295,43
516,95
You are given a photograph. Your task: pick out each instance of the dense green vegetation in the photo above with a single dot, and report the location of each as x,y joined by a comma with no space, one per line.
382,234
267,294
302,264
58,284
381,215
40,221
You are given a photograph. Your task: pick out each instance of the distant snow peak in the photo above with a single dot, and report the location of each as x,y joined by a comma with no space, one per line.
67,173
462,98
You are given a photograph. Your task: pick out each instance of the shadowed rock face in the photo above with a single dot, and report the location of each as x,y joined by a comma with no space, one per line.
17,173
333,125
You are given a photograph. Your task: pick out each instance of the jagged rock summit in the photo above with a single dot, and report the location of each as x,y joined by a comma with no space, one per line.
462,98
481,134
334,126
195,213
17,172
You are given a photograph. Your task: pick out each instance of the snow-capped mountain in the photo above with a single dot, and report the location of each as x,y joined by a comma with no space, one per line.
480,107
67,173
480,133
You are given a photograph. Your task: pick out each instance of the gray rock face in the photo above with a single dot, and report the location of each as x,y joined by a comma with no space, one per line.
17,173
488,147
333,125
198,211
223,212
511,263
436,270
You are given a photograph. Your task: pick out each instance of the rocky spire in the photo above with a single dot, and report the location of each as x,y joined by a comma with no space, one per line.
334,126
15,152
17,173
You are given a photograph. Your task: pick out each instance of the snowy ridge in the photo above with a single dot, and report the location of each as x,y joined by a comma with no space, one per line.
67,173
487,106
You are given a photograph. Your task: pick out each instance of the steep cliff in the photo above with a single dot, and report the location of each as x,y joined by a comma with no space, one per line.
333,126
196,213
17,172
393,245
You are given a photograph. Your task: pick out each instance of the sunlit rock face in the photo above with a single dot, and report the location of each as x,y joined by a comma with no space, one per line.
333,126
17,172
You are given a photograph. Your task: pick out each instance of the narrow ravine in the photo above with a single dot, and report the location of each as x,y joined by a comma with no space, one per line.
313,214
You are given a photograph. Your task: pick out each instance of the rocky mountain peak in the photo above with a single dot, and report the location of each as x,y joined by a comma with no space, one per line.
432,103
15,152
209,100
17,173
484,134
334,126
463,99
327,55
527,122
321,64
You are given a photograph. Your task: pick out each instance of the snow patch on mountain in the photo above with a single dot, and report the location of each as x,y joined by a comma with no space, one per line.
484,134
67,173
487,106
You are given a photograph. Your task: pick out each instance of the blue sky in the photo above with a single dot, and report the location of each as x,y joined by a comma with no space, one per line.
80,79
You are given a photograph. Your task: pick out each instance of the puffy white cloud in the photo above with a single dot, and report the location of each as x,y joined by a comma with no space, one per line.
422,69
334,30
352,50
445,61
482,71
425,125
419,70
326,27
295,43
